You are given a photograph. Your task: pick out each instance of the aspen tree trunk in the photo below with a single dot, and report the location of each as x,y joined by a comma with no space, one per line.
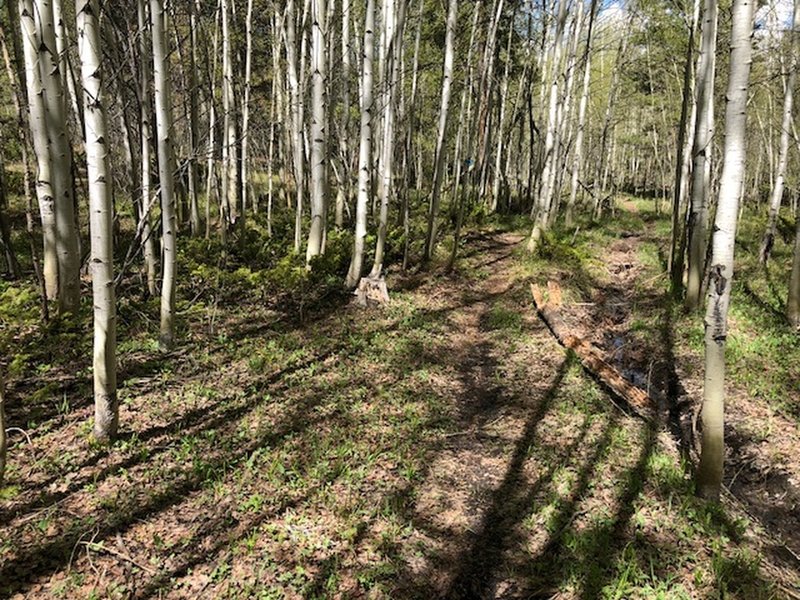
544,201
703,140
319,135
230,167
343,193
486,94
60,156
211,180
606,138
444,107
783,152
106,412
464,121
298,153
394,24
165,174
248,68
411,126
146,201
710,470
15,77
565,115
67,74
38,127
365,148
501,125
685,131
194,119
577,158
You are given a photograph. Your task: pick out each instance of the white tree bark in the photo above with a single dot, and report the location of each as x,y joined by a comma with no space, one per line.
298,152
67,74
165,174
343,193
394,23
230,167
577,158
41,146
710,470
60,160
194,119
444,108
783,151
319,134
365,148
686,130
545,198
106,413
248,68
703,140
148,239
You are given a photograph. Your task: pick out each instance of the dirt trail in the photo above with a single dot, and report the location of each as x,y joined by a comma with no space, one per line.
760,473
443,446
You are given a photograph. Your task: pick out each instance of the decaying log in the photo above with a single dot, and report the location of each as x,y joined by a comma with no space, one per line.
591,357
371,290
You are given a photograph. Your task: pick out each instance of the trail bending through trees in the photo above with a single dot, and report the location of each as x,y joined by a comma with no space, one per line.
443,446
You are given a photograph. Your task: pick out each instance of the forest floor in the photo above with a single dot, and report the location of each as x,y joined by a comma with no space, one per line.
441,446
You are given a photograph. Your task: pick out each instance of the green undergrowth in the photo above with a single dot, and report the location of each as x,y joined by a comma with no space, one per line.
671,545
295,447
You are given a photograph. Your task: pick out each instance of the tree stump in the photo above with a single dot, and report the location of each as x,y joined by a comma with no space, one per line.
371,290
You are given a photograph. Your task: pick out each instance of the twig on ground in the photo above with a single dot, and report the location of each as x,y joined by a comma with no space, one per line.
22,431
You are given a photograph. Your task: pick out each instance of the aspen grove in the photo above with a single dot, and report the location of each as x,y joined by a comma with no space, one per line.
399,299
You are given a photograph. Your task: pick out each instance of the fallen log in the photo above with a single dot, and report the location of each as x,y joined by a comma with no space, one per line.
591,357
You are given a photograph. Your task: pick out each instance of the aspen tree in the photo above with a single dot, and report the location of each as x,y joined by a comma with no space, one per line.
194,118
230,168
444,107
211,180
577,157
703,137
319,134
604,161
343,193
59,155
165,174
685,136
545,198
106,413
296,108
38,127
783,151
146,139
248,70
411,126
501,124
464,121
68,83
365,148
709,473
394,24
